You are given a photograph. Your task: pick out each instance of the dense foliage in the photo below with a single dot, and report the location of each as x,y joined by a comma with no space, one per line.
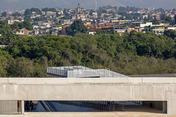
29,11
26,24
134,53
49,9
6,32
77,27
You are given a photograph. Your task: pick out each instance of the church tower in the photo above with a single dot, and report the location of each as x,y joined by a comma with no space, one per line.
78,8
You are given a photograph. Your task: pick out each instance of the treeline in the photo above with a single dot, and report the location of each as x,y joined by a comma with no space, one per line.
17,26
134,53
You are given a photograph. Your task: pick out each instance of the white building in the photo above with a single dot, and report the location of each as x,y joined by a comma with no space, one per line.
171,28
146,24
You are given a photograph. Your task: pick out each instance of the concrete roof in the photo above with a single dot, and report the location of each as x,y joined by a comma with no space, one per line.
82,72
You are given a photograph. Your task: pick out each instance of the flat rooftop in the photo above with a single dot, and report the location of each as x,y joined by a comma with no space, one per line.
82,72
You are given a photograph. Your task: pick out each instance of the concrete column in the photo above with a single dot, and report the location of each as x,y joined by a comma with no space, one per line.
164,107
22,107
171,103
171,106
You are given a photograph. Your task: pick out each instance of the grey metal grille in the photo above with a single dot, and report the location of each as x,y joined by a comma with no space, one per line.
82,72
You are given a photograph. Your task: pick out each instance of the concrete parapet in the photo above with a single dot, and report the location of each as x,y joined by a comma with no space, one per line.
91,89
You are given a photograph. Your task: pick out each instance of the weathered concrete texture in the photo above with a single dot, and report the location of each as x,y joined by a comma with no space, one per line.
8,107
11,107
105,89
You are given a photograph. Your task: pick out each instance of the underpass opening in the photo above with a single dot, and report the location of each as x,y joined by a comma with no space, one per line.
96,106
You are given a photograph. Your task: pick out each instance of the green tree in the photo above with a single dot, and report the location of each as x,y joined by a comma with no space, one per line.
6,32
155,21
49,9
20,67
27,12
3,65
4,14
27,18
27,25
15,27
77,27
175,19
170,33
168,19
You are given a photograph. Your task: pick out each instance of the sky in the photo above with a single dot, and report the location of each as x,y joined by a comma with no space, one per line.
89,4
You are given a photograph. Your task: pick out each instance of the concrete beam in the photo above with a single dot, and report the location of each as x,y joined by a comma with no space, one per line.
91,89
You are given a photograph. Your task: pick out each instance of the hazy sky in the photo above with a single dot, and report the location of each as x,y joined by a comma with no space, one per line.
23,4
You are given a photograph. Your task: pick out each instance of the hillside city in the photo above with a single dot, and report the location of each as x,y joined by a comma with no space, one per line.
103,62
126,40
120,20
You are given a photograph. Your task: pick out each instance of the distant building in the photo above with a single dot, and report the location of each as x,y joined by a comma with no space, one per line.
23,31
136,23
146,24
78,10
132,29
93,31
120,29
158,30
171,28
82,72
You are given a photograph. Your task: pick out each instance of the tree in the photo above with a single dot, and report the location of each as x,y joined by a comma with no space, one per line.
3,65
27,12
36,10
6,32
27,25
77,27
49,9
27,18
16,14
20,67
175,19
15,27
170,33
4,14
168,19
155,21
163,16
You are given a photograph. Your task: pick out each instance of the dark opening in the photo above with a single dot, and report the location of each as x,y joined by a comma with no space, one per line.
95,106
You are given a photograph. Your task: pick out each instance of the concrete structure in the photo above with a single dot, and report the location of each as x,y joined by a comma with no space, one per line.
23,31
82,72
120,30
171,28
91,89
158,30
146,24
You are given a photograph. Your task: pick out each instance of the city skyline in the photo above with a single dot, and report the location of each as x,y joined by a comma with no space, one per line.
23,4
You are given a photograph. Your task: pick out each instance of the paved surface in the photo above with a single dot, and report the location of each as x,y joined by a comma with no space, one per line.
91,114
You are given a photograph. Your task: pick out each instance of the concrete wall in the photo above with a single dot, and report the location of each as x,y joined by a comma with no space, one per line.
8,107
110,89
